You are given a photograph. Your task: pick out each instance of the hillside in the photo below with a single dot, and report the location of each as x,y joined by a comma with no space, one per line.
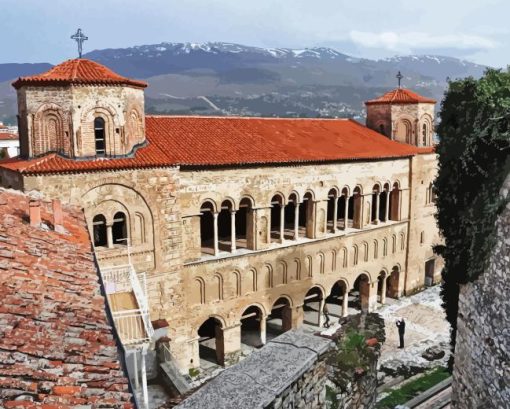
232,79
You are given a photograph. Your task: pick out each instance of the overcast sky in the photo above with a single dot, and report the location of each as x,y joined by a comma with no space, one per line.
477,30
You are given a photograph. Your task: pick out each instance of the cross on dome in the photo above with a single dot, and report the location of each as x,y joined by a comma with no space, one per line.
399,78
79,37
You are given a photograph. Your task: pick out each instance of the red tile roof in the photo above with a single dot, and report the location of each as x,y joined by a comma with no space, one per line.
400,96
78,71
7,136
56,344
211,141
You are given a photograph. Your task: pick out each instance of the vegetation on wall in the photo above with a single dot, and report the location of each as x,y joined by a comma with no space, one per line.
473,163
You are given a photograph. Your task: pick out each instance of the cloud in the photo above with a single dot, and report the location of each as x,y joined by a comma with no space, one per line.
407,42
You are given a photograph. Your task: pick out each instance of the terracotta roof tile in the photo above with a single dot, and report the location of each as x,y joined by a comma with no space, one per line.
7,136
400,96
78,71
211,141
56,344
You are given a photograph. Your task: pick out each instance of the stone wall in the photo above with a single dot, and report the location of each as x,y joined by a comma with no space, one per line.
301,370
352,366
289,372
66,125
481,376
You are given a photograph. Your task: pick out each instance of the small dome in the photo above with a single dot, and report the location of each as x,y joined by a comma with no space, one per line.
78,71
400,96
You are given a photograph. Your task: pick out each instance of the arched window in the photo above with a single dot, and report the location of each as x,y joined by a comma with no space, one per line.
119,229
424,134
381,129
99,231
99,134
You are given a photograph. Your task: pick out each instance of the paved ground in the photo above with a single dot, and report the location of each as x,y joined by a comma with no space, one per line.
426,326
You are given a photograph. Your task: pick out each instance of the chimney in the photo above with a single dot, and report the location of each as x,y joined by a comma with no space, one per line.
58,217
35,213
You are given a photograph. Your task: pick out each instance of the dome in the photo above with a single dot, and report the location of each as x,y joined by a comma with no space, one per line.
78,71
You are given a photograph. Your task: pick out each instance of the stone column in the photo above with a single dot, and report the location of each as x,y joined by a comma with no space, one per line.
345,303
231,337
215,226
383,291
282,223
372,297
296,221
335,211
233,231
346,212
377,205
387,212
263,330
109,236
321,315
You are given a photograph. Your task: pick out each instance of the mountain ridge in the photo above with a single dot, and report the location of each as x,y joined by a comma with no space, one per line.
223,78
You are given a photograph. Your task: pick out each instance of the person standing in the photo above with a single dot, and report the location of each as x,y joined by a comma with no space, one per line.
325,311
401,325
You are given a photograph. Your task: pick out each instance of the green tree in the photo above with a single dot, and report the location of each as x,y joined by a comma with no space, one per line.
473,162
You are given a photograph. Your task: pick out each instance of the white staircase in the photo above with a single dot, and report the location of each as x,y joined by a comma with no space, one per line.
133,325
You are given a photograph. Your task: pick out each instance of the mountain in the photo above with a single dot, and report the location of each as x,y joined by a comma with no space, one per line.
233,79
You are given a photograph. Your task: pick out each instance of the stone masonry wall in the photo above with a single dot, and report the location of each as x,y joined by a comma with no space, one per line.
352,366
481,376
289,372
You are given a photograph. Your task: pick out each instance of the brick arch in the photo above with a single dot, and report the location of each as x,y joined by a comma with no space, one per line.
86,135
404,129
135,129
102,197
51,130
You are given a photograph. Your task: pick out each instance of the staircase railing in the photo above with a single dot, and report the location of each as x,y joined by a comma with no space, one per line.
133,325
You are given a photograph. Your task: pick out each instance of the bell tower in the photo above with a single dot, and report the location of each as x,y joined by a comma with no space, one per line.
80,109
403,115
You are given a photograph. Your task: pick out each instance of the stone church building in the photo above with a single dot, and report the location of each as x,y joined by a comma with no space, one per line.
242,225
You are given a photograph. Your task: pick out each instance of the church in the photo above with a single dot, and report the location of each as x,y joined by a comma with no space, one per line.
232,229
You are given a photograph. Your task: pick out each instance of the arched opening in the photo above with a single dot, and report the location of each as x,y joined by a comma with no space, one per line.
207,228
312,306
291,226
99,135
119,229
306,216
211,343
383,203
424,134
404,131
392,283
355,208
343,202
337,300
394,205
99,231
226,240
381,287
252,328
382,130
376,193
277,219
280,318
244,225
359,296
332,215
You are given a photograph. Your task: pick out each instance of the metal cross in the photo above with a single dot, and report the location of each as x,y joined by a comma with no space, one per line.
79,37
399,78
